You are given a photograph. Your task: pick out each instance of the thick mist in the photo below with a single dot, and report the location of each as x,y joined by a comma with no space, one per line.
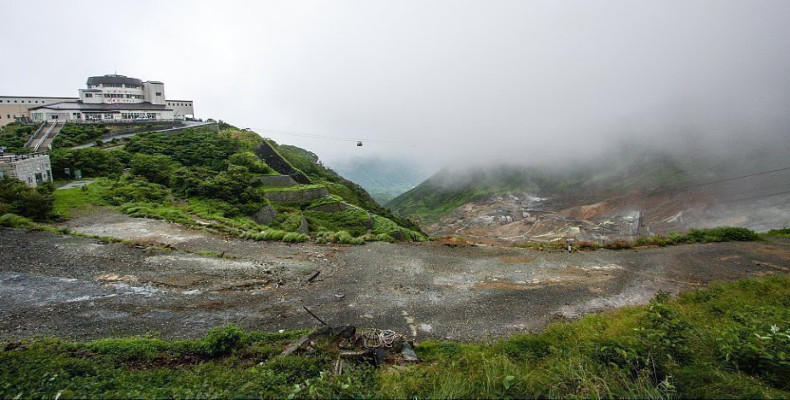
445,83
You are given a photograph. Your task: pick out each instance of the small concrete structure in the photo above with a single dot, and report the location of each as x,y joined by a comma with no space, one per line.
33,169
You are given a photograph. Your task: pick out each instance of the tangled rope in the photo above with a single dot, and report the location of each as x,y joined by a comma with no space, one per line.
379,338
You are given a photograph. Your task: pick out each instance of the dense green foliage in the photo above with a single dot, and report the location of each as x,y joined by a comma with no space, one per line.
91,161
13,137
75,134
194,147
16,197
784,232
727,341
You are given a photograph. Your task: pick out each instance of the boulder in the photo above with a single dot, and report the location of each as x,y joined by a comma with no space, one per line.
304,226
265,215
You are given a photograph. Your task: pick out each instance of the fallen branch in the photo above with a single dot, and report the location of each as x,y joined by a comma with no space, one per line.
313,276
315,316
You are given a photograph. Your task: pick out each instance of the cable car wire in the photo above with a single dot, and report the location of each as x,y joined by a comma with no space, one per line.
325,137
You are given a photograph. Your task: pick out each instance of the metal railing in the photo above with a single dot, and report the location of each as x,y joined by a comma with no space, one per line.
46,135
29,141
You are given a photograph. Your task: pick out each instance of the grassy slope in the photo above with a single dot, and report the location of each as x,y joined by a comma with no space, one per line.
200,149
730,340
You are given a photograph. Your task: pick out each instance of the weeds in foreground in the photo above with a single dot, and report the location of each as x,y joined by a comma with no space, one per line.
730,340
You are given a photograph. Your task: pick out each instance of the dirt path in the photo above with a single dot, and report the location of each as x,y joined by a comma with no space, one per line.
78,287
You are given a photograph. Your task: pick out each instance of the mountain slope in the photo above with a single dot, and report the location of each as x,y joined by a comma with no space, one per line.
628,194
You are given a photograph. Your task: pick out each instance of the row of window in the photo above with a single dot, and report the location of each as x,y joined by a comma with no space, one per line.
140,115
115,95
118,85
180,104
22,101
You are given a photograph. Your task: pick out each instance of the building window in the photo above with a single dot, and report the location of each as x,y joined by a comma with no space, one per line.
86,95
158,93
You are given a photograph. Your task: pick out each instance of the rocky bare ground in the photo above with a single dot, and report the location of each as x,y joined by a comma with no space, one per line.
82,288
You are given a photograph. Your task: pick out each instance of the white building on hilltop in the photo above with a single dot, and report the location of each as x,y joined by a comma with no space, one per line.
109,98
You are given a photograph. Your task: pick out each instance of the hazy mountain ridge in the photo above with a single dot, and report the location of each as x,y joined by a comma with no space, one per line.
628,193
384,179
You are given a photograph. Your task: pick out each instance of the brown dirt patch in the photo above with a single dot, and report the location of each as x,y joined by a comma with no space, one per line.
516,260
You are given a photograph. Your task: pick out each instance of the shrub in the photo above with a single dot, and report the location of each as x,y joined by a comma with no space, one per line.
222,340
154,168
757,350
92,162
619,244
721,234
784,232
273,234
294,237
18,198
249,160
135,190
15,221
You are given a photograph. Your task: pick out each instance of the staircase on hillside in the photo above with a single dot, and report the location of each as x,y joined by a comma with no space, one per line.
42,139
38,135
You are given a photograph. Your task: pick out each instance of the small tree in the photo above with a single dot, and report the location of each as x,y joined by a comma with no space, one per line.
18,198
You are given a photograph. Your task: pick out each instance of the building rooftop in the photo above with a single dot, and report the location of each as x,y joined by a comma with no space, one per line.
114,79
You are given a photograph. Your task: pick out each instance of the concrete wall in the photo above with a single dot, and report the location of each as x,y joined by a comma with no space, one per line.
296,196
30,169
150,89
267,153
274,180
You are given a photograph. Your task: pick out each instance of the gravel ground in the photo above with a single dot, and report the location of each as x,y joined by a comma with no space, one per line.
81,288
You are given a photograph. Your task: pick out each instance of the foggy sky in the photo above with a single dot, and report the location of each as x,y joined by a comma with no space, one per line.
436,81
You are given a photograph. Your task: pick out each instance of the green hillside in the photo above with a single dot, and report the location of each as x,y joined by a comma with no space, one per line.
216,181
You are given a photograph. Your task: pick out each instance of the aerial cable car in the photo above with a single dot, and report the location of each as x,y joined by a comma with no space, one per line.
359,144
